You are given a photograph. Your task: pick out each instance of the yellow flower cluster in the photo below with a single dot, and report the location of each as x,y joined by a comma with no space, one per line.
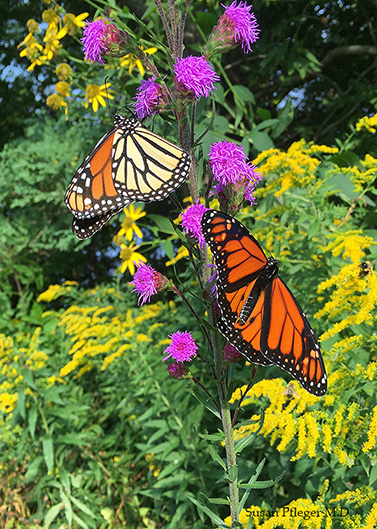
294,168
351,244
55,291
58,26
362,176
367,122
13,356
300,513
102,331
41,46
293,419
352,301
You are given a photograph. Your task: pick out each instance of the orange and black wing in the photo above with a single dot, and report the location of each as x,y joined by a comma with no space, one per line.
239,260
259,314
91,192
146,167
288,340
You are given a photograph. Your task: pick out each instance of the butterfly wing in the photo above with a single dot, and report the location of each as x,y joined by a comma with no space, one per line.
260,315
146,167
288,340
239,260
91,191
85,228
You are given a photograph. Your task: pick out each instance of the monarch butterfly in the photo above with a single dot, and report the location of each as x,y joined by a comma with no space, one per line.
260,316
128,163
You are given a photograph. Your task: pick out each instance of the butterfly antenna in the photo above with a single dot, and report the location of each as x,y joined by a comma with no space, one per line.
107,96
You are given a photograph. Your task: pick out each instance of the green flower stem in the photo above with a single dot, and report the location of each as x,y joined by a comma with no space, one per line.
230,459
224,402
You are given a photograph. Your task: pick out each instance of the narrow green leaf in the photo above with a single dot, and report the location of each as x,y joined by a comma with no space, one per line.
216,520
79,521
48,453
82,506
373,475
67,507
219,501
52,514
32,419
216,457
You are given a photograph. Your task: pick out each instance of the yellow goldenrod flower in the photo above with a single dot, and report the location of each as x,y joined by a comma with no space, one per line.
128,224
95,95
129,257
372,432
367,122
130,61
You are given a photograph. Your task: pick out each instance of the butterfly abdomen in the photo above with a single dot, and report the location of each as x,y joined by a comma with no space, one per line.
266,275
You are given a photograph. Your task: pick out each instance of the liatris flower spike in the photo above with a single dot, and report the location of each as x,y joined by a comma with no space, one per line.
236,176
101,38
237,25
182,347
191,221
147,282
196,75
149,99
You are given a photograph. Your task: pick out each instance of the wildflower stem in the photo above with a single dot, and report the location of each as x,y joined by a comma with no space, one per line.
253,373
183,298
230,458
194,379
223,399
165,24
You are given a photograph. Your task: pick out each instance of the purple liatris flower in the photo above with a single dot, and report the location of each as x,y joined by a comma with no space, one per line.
101,37
191,221
245,25
182,348
147,282
148,99
178,370
196,74
228,162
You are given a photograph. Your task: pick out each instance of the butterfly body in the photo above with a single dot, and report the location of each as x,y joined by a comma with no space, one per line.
129,163
259,314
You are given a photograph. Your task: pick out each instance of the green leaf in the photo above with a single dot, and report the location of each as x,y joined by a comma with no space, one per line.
33,468
216,457
52,514
261,141
163,223
48,453
243,93
373,475
67,507
168,248
79,521
82,506
213,516
32,419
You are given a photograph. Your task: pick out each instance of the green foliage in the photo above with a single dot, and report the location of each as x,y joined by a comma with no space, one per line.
36,244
